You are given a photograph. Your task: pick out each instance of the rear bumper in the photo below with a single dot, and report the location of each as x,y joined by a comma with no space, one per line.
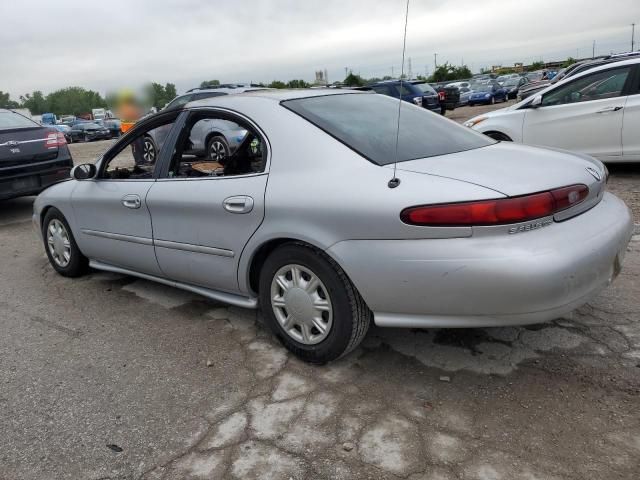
490,280
32,179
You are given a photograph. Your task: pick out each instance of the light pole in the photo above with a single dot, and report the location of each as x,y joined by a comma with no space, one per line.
435,61
633,34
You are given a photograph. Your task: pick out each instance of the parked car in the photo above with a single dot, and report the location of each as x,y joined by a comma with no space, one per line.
488,94
513,84
420,94
465,95
596,112
32,157
449,97
64,129
465,232
114,125
88,131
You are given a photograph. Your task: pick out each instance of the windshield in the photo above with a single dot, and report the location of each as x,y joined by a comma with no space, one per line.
426,88
9,120
367,123
512,82
483,88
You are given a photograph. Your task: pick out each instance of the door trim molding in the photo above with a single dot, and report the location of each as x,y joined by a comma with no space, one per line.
118,236
188,247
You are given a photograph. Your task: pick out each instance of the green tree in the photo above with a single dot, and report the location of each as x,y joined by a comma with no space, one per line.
446,72
277,84
73,100
35,102
297,84
170,92
210,83
569,61
353,80
6,102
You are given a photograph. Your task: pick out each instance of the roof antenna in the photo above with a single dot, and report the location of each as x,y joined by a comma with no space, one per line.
395,181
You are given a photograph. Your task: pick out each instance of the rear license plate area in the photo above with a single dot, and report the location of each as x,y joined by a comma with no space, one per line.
25,183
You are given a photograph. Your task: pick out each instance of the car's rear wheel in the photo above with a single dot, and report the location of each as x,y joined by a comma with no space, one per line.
310,304
217,149
60,245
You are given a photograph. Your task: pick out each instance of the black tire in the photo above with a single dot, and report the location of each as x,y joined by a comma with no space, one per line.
492,101
471,104
78,264
69,139
217,149
351,316
499,136
443,111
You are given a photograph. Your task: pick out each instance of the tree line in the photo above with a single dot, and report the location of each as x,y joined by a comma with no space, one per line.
78,100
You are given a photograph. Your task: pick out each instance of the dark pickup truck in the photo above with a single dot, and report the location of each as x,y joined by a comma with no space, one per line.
449,96
32,156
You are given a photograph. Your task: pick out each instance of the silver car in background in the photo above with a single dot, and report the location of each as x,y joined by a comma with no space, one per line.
327,224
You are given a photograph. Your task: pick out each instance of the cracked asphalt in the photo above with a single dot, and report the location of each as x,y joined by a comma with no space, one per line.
111,377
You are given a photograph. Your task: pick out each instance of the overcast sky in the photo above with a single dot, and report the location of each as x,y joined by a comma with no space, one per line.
106,44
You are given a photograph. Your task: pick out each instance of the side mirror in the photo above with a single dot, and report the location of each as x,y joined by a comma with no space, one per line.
85,171
536,102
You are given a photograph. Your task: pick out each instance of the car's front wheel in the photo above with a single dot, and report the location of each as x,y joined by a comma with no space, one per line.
149,151
310,304
60,245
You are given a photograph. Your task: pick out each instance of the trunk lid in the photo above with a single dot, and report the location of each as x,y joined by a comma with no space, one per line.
26,145
510,169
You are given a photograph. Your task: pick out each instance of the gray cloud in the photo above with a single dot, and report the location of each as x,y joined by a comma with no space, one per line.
108,44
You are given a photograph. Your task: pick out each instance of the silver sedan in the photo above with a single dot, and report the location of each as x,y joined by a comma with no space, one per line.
327,217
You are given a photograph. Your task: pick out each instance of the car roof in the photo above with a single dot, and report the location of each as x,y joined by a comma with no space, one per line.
278,95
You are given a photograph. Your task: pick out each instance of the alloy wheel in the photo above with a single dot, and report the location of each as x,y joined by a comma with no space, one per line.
301,304
148,151
59,243
217,151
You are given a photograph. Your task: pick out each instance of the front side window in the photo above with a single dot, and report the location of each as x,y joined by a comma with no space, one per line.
368,124
137,159
597,86
216,145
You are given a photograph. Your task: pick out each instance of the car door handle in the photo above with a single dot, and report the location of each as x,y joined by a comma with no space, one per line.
131,201
609,109
238,204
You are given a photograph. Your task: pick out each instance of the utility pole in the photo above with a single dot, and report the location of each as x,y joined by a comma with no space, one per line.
633,34
346,72
435,61
410,72
392,72
593,50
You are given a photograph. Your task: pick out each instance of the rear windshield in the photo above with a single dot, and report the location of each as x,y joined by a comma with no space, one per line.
367,123
9,120
426,88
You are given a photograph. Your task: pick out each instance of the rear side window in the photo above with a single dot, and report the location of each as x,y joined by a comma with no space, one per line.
11,120
367,123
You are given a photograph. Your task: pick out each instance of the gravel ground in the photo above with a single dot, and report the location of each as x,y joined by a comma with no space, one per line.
111,377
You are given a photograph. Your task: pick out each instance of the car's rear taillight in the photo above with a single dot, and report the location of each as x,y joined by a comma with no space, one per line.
54,140
496,212
441,96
